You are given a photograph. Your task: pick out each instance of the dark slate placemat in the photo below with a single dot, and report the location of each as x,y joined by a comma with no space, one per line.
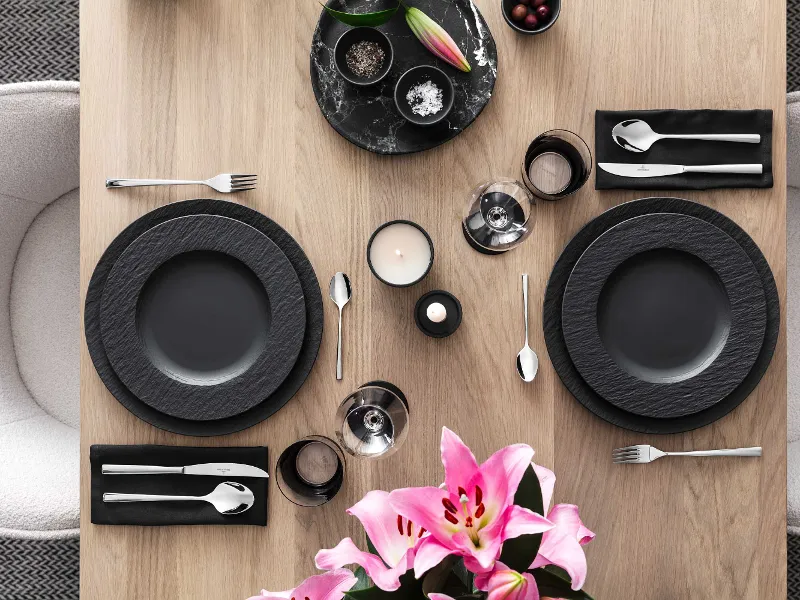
687,152
172,513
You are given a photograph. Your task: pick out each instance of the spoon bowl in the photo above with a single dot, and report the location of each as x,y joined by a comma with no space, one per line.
231,498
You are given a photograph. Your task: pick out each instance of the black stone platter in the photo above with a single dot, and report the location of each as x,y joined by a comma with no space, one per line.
302,366
557,348
367,116
664,315
202,317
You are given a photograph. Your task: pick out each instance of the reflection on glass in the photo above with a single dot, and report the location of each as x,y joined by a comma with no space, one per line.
499,216
311,471
372,422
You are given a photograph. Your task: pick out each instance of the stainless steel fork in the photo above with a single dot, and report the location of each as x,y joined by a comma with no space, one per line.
225,183
645,454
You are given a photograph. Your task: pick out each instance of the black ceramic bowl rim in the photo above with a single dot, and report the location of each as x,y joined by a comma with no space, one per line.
522,30
406,222
410,116
384,71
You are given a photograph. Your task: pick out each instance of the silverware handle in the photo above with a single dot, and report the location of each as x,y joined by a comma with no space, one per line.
139,470
753,169
525,303
117,183
755,451
747,138
114,497
339,350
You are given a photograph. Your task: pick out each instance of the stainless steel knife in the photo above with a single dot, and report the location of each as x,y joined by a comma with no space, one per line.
639,170
215,469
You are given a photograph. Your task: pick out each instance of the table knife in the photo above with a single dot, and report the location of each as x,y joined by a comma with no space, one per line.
215,469
639,170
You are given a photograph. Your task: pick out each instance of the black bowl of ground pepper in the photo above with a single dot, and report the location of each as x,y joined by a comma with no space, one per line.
363,55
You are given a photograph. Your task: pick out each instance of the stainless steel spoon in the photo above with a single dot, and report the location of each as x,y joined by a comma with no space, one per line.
229,498
527,361
637,136
340,294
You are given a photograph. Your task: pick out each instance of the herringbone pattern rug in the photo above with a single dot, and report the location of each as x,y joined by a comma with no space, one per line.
793,45
38,569
38,40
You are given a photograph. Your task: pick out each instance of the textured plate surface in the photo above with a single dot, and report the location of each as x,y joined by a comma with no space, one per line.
308,352
202,317
367,116
557,348
664,315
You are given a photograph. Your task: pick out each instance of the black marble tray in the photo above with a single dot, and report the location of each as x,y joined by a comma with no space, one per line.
664,315
367,116
557,348
202,317
305,360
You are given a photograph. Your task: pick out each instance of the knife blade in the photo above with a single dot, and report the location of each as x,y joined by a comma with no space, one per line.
643,170
214,469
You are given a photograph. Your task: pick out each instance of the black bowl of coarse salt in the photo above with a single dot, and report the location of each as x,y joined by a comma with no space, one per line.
363,55
424,95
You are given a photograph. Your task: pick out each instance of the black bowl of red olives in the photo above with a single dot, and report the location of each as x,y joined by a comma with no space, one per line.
531,17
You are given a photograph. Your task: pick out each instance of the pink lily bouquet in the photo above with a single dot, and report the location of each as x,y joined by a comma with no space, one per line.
482,535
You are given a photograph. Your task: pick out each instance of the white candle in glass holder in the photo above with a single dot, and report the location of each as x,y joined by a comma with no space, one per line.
400,253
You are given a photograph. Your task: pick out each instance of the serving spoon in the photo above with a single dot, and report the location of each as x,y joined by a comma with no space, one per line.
527,361
637,136
229,498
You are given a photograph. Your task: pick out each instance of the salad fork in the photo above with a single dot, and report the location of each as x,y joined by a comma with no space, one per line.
644,454
224,183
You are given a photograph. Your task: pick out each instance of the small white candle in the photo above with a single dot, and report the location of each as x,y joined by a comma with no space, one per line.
437,312
400,254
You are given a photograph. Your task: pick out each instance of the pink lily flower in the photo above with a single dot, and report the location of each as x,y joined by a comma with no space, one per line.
475,513
394,537
561,545
328,586
505,583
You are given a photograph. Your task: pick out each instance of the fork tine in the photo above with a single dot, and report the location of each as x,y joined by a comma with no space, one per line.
627,448
625,452
242,189
235,176
236,184
625,461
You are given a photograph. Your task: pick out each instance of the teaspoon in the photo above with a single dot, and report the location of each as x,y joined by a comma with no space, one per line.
527,361
229,498
340,294
637,136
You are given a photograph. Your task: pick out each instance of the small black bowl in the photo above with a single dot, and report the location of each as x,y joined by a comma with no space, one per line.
507,5
360,34
417,75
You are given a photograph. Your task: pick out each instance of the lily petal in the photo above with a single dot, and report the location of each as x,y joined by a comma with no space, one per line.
328,586
429,553
459,462
547,481
380,523
506,584
503,471
347,553
437,596
560,549
423,506
522,521
567,518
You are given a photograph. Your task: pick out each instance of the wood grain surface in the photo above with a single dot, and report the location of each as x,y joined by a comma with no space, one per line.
180,88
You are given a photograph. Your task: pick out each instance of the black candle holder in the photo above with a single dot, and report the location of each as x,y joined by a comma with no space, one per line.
298,489
369,247
444,328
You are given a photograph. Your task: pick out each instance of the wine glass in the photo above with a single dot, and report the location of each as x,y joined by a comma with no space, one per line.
499,216
373,421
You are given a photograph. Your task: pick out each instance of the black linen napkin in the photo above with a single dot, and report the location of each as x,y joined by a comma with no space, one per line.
687,152
172,513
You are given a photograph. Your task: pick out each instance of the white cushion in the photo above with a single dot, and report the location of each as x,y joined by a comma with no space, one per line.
39,310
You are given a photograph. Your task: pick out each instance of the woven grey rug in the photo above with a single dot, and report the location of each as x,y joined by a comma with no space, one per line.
37,569
38,40
793,45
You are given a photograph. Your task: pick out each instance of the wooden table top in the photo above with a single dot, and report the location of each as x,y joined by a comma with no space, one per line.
194,88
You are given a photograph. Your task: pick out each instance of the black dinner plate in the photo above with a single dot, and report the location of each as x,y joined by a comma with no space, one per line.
663,315
269,405
366,115
557,348
202,317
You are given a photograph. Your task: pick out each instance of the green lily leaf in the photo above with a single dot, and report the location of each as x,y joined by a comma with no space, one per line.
552,583
465,575
410,589
443,579
371,547
372,19
363,580
518,553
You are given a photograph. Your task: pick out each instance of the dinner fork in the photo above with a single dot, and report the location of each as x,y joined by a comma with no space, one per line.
225,183
645,454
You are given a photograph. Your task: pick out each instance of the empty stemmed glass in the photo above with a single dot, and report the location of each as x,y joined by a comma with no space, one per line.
499,216
372,422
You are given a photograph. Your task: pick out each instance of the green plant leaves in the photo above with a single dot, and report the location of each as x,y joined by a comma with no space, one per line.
555,583
363,580
372,19
410,589
518,553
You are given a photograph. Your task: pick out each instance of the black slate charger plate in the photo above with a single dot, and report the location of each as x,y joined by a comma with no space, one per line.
367,116
664,315
559,354
202,317
308,352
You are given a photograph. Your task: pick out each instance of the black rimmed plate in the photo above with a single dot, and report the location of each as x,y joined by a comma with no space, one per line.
202,317
664,315
554,338
270,404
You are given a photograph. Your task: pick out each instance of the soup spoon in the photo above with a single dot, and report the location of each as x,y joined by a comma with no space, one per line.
229,498
637,136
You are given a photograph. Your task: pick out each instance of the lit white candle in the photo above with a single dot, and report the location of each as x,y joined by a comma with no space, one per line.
400,254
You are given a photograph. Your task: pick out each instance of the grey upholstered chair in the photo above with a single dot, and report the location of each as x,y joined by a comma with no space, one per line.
39,321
